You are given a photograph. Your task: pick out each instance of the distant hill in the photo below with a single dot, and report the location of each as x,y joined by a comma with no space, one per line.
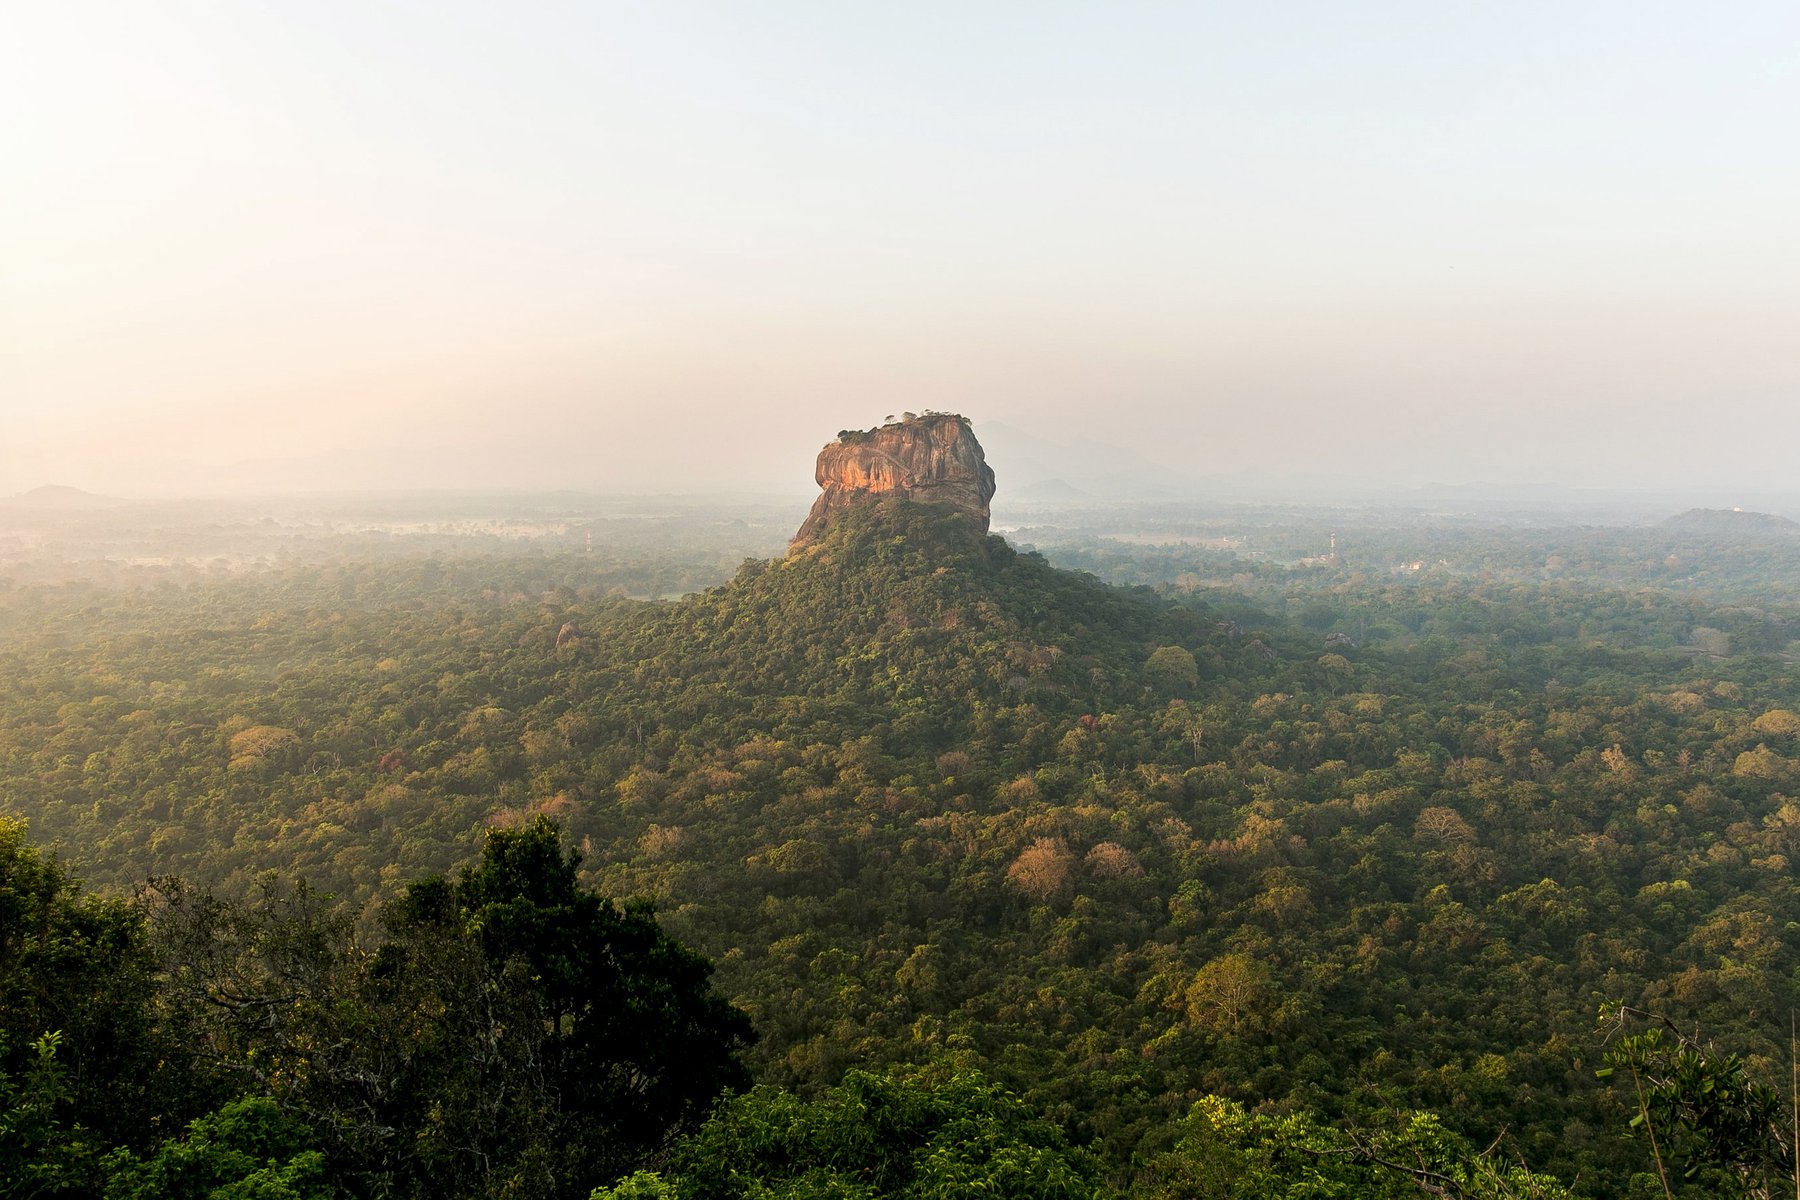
58,498
1732,521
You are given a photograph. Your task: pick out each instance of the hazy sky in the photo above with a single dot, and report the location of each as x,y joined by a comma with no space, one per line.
678,245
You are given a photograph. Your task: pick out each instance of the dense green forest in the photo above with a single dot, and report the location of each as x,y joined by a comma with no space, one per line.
1239,880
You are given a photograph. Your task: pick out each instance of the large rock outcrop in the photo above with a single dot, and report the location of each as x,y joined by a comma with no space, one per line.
933,459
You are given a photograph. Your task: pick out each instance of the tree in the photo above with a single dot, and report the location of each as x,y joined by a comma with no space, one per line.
562,1039
515,1033
39,1154
1234,993
1172,669
1042,869
1443,825
82,1060
248,1150
1780,721
1701,1111
910,1137
1337,668
1228,1153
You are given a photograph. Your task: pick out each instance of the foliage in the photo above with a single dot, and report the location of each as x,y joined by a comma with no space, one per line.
39,1156
920,794
514,1033
1228,1153
248,1150
907,1137
84,1063
1700,1110
1173,669
565,1037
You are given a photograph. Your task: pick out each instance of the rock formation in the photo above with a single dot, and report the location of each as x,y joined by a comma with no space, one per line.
933,459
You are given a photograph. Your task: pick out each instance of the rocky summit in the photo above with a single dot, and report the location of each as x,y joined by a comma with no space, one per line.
933,459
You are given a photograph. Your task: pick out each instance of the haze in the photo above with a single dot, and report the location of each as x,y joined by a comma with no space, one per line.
673,247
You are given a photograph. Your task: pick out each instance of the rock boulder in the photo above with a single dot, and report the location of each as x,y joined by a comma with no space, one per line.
933,459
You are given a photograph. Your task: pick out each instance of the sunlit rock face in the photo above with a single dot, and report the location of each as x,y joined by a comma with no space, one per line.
933,459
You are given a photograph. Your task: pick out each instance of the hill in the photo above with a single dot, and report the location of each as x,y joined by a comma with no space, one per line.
58,498
904,617
1732,522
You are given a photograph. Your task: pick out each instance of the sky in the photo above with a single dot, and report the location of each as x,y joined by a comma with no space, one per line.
677,246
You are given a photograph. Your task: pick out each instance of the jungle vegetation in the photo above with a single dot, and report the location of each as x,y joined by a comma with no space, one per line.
1229,880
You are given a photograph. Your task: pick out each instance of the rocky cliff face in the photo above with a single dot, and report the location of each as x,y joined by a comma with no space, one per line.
933,459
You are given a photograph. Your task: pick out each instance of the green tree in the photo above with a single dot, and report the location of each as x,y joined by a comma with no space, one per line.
248,1150
1172,669
1711,1127
515,1033
1234,993
39,1155
905,1137
562,1037
83,1061
1228,1153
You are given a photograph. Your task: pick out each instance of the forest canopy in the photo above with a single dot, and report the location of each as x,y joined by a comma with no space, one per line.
509,1033
1322,844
